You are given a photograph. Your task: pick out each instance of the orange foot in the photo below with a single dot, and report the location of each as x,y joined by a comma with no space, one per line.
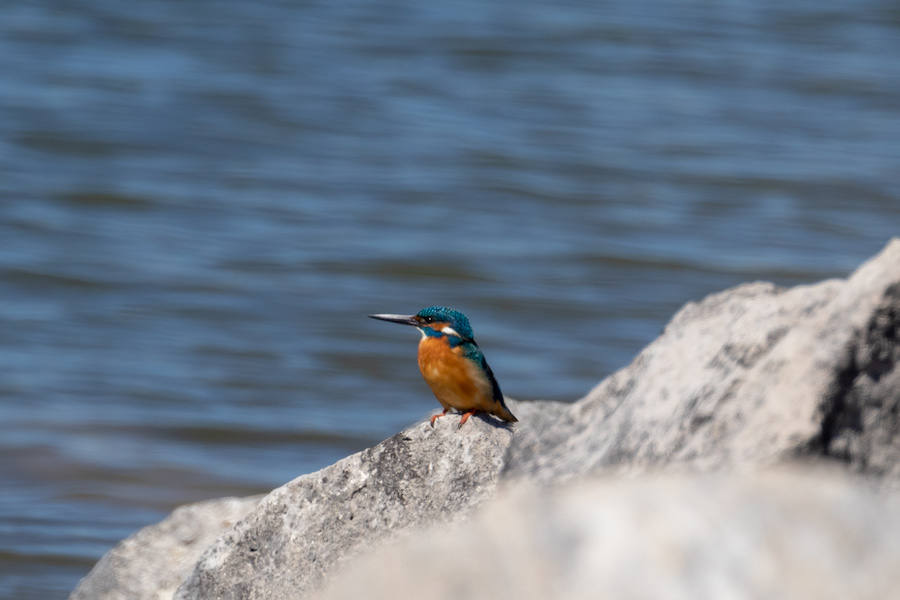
433,417
466,416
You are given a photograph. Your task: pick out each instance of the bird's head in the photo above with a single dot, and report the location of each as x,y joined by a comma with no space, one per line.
435,321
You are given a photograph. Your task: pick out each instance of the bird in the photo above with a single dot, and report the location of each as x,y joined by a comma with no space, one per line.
453,365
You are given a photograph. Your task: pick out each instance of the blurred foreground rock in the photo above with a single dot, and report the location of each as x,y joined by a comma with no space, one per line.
784,535
746,378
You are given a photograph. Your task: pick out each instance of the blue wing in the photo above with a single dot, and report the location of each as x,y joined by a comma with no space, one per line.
473,353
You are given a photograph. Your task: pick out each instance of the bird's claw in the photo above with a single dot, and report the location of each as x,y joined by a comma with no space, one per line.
435,417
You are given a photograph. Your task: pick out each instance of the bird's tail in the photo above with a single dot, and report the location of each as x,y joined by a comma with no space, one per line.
502,411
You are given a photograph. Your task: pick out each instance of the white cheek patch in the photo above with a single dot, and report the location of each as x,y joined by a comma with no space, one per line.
449,331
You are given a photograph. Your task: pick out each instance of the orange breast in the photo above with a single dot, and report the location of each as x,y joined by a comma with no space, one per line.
455,381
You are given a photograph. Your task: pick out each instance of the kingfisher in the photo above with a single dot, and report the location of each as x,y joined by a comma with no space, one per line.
453,365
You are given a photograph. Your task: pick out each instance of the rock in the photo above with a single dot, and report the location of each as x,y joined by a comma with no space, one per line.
778,535
745,378
152,563
749,376
302,531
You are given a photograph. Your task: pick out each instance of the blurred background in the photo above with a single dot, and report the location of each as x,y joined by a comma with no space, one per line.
200,202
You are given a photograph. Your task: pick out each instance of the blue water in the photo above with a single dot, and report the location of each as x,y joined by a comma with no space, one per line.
199,202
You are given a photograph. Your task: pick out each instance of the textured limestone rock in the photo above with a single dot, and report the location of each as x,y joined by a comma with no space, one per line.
748,376
782,535
152,563
302,531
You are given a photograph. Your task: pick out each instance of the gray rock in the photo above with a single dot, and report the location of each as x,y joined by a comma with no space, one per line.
748,376
745,378
778,535
302,531
152,563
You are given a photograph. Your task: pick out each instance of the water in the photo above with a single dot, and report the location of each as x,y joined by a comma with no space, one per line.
199,202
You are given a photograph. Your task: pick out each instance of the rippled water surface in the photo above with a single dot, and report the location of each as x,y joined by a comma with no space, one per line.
199,202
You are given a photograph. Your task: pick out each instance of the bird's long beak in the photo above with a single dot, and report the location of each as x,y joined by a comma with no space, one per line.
402,319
